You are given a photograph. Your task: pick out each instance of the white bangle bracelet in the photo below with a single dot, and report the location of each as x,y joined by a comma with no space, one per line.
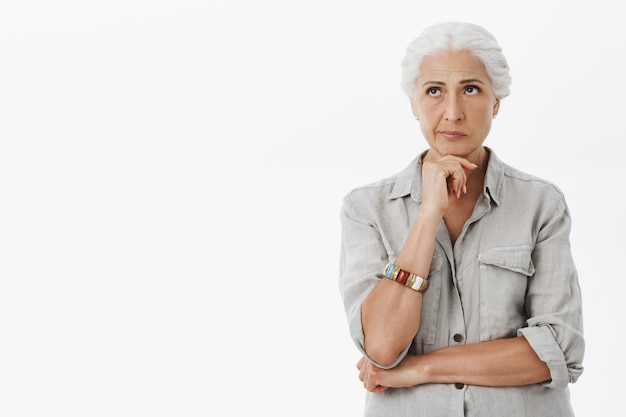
417,283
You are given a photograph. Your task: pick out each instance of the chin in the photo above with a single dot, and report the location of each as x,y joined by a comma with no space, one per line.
460,151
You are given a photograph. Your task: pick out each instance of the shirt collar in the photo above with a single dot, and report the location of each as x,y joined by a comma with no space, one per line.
494,178
409,180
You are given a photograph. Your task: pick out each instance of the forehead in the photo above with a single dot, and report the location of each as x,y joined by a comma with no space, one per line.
450,66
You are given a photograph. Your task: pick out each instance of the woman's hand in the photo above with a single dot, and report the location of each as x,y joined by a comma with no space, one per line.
442,179
404,375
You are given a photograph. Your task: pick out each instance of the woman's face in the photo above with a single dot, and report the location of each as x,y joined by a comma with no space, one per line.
455,103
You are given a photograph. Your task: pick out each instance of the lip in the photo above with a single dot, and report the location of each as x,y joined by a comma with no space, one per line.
452,134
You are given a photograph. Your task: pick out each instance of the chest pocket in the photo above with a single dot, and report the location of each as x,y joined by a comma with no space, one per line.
504,274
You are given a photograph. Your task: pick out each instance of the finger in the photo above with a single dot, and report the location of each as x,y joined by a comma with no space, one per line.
362,370
462,161
379,388
372,383
360,363
457,180
470,166
368,383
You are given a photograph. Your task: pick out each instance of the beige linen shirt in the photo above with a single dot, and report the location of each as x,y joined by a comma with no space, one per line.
509,273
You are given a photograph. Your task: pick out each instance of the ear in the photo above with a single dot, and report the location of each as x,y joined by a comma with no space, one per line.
496,107
414,110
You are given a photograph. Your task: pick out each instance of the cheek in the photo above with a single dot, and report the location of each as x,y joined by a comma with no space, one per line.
485,124
428,130
483,116
430,116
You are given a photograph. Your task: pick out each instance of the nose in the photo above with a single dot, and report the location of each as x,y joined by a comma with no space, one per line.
453,108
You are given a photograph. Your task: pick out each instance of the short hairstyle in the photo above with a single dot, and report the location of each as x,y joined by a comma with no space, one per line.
455,36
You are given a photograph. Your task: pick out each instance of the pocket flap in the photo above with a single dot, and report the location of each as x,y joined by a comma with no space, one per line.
514,258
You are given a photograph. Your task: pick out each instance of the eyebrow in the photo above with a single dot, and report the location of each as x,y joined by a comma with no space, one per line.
468,81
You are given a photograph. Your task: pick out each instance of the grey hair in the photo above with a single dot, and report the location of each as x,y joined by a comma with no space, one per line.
454,36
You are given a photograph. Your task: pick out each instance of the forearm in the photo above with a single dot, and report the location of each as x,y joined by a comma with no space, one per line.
506,362
391,312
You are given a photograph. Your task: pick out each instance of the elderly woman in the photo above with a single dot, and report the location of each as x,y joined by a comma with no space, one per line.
456,273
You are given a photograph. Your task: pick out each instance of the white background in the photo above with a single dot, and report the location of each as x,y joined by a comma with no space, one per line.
171,174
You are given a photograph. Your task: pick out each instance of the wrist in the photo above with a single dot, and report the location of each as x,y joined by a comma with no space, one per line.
428,220
428,213
422,369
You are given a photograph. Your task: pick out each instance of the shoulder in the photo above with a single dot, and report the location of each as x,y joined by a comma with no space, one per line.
377,193
379,188
525,179
524,188
502,174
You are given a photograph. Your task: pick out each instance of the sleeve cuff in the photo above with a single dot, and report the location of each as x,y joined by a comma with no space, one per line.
545,346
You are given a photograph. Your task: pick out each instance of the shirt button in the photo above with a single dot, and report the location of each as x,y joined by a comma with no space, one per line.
458,385
458,337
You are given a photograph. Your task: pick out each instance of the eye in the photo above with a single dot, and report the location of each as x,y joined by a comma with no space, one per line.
472,90
433,92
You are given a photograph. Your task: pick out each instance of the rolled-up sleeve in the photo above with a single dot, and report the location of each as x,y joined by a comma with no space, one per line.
362,260
361,255
554,302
